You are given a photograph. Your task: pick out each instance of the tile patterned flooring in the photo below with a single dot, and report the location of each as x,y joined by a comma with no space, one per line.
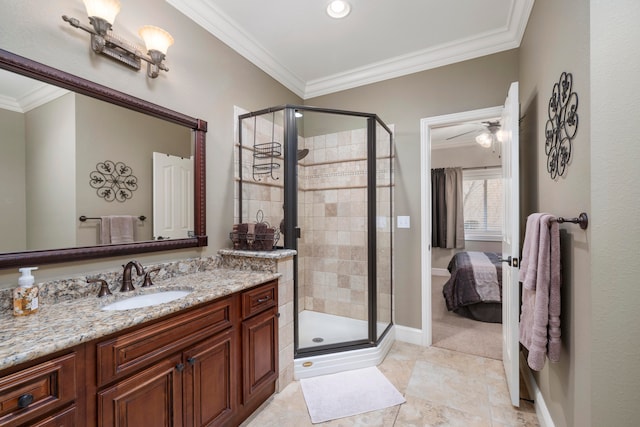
442,388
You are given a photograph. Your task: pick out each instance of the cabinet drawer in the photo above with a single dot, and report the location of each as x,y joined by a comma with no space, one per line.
132,351
37,390
258,299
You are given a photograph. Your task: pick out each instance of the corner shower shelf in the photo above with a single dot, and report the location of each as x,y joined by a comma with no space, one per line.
264,154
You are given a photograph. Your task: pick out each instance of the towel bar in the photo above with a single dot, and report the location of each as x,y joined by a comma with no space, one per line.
84,218
582,220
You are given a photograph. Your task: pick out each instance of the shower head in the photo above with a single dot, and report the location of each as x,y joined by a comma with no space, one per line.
303,153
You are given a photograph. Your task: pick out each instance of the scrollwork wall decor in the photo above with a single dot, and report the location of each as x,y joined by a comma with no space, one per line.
113,181
561,126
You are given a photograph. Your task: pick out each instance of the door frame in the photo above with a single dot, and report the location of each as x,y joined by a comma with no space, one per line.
426,125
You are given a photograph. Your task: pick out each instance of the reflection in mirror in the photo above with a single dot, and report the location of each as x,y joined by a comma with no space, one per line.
56,141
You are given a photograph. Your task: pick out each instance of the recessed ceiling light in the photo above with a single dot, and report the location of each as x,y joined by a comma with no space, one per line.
338,9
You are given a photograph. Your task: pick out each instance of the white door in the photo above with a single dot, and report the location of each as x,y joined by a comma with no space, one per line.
511,243
172,197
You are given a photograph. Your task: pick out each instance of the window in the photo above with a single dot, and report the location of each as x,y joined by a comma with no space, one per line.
482,192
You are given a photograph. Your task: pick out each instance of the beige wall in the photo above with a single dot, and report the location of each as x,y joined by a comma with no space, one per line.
614,335
470,85
206,80
50,176
13,221
557,40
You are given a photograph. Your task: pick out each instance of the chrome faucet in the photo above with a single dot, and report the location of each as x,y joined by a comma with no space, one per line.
126,275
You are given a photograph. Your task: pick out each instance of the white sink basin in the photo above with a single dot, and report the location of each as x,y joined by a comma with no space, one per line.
146,300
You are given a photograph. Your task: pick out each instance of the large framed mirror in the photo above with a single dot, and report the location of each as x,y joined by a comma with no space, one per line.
78,133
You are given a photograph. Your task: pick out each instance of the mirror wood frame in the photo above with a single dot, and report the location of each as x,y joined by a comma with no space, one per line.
38,71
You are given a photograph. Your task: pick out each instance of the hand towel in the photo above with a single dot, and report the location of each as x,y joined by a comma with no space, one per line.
116,229
529,263
540,315
555,345
105,230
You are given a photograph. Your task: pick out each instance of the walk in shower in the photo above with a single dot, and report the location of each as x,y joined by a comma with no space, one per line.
324,178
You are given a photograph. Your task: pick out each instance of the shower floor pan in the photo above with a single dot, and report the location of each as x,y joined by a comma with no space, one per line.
335,329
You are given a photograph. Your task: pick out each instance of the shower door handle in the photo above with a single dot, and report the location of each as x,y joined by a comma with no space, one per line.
298,233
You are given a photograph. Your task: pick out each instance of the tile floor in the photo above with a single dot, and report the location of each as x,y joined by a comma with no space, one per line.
442,388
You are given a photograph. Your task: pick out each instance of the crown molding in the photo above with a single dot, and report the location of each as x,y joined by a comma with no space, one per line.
505,38
224,28
36,97
8,103
39,96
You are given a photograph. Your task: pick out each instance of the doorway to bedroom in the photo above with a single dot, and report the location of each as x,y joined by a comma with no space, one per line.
466,177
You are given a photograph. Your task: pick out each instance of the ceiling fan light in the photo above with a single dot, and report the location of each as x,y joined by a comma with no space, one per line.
484,139
338,9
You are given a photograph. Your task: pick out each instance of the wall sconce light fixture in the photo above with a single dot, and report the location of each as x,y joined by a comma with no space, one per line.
102,14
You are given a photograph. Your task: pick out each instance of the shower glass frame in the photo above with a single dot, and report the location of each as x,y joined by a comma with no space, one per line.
378,133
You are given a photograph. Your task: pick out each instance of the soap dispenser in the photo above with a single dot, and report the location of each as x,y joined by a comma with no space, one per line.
25,296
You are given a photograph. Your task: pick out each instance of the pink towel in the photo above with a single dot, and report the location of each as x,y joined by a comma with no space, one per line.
117,229
540,315
529,262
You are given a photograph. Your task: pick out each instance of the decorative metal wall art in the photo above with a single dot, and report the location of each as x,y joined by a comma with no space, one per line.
113,181
562,125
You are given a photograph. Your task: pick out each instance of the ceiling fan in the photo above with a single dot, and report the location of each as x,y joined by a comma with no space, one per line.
488,133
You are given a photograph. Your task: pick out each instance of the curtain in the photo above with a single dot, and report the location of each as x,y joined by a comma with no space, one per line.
447,215
438,209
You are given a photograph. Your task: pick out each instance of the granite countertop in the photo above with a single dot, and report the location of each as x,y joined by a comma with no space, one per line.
69,323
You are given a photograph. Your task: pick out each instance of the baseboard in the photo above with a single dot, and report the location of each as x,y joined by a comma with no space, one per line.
440,272
542,411
408,335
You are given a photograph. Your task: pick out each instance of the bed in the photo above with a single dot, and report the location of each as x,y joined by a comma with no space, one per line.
474,289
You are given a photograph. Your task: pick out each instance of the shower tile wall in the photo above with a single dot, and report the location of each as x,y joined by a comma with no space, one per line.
333,247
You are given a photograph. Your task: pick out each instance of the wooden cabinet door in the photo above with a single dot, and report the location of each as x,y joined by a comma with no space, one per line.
259,352
152,397
210,385
66,418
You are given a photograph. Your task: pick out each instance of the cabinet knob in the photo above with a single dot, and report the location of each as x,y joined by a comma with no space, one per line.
180,367
265,299
25,400
191,360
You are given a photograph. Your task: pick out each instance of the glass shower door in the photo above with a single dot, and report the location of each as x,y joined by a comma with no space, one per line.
384,227
333,300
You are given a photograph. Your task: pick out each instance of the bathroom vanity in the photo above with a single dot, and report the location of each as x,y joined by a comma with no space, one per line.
210,358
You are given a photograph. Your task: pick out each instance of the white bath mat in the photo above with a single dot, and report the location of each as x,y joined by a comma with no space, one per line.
348,393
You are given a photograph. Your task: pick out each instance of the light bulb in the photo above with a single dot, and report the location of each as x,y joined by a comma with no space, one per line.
484,139
338,9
